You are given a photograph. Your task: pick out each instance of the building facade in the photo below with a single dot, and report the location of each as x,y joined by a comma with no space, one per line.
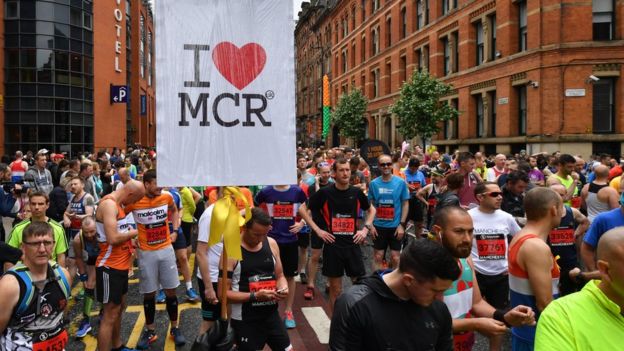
61,59
527,74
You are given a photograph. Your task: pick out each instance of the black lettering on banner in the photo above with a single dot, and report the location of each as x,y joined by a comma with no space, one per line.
196,83
257,111
185,101
215,109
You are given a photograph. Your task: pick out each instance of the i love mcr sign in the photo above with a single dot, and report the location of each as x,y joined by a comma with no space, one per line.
225,92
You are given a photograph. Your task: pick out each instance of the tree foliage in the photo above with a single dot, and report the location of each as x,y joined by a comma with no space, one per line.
419,109
348,116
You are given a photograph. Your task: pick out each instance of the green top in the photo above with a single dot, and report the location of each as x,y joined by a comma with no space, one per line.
586,320
188,205
60,246
567,183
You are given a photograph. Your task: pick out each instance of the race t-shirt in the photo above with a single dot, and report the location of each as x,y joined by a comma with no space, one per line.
416,180
213,252
388,197
282,206
338,209
489,241
152,219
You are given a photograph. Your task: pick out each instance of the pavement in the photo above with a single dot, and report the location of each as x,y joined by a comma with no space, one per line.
311,334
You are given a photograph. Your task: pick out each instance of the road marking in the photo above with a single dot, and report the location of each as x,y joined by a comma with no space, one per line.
318,320
140,323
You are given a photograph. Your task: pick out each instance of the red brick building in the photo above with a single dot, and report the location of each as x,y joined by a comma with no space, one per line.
61,59
541,76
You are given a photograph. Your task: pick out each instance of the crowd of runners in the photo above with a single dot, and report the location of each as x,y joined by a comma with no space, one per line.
524,245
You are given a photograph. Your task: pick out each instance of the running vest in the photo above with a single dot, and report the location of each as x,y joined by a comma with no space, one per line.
78,207
17,171
91,247
520,291
595,206
37,321
576,200
562,242
152,218
255,272
458,299
114,256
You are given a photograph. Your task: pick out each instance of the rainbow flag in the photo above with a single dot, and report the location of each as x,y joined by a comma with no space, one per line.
326,108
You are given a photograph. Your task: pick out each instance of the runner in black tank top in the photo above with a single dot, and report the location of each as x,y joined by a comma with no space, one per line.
258,282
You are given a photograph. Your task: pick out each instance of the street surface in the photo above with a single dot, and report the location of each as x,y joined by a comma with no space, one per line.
311,334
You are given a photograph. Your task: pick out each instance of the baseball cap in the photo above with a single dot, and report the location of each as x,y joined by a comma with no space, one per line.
437,171
446,159
43,151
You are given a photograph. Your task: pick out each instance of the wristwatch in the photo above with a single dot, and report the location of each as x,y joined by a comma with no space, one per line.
369,227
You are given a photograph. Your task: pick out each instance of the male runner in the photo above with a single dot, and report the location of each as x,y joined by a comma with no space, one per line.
18,168
590,320
282,203
81,206
38,177
533,271
562,241
567,177
398,310
258,283
389,194
39,203
114,233
338,205
157,260
467,164
429,194
323,179
492,230
453,228
493,173
86,247
33,296
415,181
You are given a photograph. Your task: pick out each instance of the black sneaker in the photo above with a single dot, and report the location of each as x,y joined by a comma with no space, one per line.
178,338
303,277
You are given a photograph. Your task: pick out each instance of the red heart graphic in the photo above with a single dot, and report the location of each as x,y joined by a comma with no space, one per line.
239,66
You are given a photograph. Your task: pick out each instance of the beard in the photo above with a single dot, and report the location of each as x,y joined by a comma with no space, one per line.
458,251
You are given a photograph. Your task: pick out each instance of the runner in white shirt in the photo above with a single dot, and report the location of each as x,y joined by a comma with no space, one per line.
492,228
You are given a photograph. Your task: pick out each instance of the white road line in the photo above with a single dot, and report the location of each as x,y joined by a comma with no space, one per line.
318,320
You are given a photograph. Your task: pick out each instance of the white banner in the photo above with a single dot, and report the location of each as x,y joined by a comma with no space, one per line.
225,92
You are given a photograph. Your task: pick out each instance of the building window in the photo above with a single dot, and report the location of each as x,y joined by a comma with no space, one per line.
479,115
451,125
446,6
388,32
455,47
375,5
492,32
388,87
422,55
521,91
446,44
353,54
480,43
363,10
603,19
403,23
604,106
403,69
375,41
345,28
375,80
344,61
422,13
11,10
522,29
87,21
353,18
142,46
492,120
363,50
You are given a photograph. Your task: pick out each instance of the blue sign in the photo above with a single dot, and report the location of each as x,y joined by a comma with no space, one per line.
143,105
118,94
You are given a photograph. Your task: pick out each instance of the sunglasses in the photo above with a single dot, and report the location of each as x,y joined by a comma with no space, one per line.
385,164
494,194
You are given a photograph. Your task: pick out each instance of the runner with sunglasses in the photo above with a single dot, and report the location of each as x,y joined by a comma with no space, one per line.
390,197
492,228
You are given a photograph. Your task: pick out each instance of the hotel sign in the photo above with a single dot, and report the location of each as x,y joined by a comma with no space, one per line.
118,14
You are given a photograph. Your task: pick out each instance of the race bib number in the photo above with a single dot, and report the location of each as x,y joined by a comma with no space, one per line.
463,342
343,226
575,202
156,233
75,223
432,204
562,237
385,213
414,186
491,246
283,211
262,282
56,343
